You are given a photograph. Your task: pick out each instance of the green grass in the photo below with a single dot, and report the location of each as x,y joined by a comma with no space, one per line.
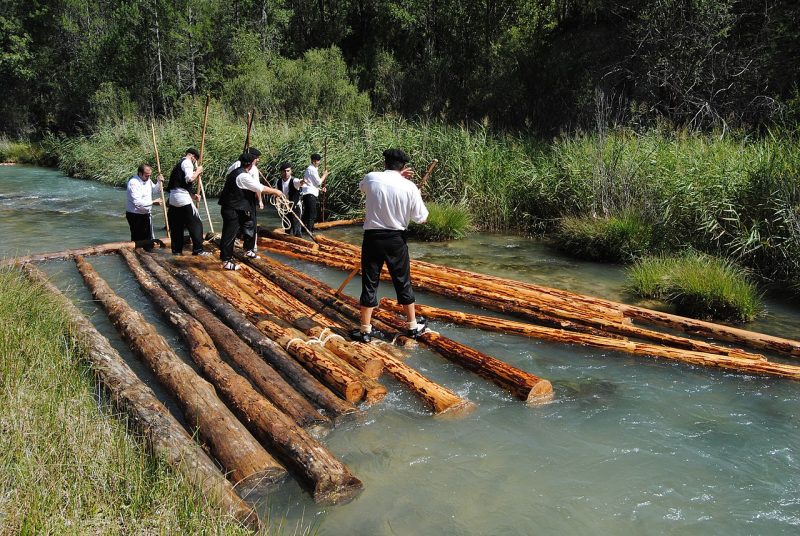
21,152
699,285
70,466
445,222
613,239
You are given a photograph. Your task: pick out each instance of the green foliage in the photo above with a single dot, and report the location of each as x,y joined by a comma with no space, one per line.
20,152
445,222
698,285
612,239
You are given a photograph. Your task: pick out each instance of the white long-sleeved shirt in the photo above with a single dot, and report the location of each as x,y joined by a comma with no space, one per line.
253,171
180,197
313,181
392,201
246,181
140,195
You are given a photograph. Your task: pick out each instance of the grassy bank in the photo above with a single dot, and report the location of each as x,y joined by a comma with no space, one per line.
728,195
69,466
21,152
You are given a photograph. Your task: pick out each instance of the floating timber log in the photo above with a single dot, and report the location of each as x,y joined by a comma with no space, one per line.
102,249
439,398
274,387
148,416
309,386
287,238
337,223
239,453
745,365
330,481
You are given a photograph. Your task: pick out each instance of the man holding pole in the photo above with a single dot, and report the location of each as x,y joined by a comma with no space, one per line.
140,193
290,187
391,203
309,192
182,211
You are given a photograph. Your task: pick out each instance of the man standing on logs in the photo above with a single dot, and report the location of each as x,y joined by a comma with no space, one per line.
140,201
309,193
239,199
182,212
391,202
290,186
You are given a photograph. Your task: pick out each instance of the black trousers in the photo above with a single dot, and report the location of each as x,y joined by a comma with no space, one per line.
141,226
293,222
181,218
234,221
309,211
387,246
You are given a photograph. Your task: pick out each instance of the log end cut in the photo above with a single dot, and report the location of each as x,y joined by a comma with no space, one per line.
541,393
337,491
457,410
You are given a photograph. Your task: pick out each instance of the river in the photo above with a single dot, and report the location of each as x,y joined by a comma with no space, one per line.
629,445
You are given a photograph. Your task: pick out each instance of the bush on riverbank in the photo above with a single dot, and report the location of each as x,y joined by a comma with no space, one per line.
698,285
614,239
68,465
445,222
20,152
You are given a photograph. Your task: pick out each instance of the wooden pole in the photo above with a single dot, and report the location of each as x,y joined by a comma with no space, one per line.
330,481
239,453
147,415
324,169
249,128
427,175
202,149
158,164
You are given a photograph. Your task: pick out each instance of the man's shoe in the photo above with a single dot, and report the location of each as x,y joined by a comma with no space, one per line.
228,265
422,327
252,255
202,253
359,336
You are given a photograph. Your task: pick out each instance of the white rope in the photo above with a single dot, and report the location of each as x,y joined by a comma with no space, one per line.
284,207
292,341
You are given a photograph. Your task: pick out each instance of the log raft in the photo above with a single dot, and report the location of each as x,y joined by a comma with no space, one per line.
249,465
146,414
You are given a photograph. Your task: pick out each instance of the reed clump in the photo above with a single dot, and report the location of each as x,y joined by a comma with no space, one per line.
21,152
445,222
622,238
699,286
69,465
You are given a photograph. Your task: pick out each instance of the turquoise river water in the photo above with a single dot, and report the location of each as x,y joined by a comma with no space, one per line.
630,445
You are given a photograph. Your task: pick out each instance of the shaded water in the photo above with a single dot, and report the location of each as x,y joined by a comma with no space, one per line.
630,445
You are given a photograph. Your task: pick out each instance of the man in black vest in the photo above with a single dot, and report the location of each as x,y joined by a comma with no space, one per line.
240,199
290,187
182,212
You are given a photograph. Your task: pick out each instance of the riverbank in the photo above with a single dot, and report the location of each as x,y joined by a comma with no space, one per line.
71,465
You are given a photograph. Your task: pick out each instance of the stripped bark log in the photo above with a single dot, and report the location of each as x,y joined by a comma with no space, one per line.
239,453
311,388
337,223
162,432
274,387
288,239
330,481
102,249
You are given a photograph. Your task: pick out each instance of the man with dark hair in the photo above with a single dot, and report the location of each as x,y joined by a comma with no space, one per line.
182,212
239,198
392,201
290,187
140,192
309,192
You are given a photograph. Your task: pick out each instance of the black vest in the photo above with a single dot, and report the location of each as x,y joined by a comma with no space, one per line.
294,193
234,197
177,179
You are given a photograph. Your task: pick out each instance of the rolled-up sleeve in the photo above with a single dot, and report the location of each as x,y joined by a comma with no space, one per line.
188,170
246,181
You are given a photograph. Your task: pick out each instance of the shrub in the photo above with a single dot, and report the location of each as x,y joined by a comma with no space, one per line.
445,222
699,286
614,239
20,152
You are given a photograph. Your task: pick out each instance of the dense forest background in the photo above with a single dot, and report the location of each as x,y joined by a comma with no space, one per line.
540,66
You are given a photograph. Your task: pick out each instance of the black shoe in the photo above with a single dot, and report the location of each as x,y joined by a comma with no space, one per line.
422,327
359,336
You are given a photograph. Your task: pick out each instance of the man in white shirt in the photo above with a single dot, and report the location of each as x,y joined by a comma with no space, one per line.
239,198
182,213
309,192
290,187
140,192
392,201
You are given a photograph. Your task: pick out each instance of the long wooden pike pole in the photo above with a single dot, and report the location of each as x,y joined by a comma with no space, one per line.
357,267
158,165
324,169
249,128
202,148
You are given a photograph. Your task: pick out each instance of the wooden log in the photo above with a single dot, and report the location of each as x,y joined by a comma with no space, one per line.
328,370
274,387
337,223
309,386
330,481
102,249
163,434
239,453
296,240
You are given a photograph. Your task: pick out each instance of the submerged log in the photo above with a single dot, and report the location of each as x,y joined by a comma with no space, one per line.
102,249
239,453
330,481
274,387
147,415
311,388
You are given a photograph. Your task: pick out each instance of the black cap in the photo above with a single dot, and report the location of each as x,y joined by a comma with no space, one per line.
316,156
246,159
192,150
255,152
285,165
395,155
